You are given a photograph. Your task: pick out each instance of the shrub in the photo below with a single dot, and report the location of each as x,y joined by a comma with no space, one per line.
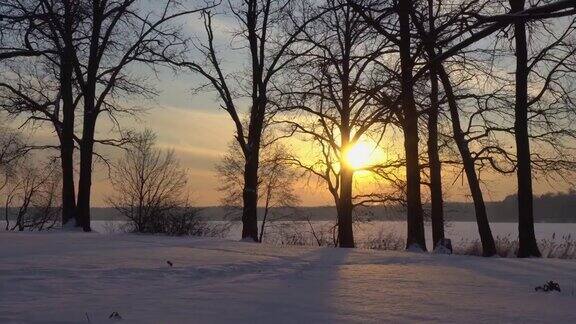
151,191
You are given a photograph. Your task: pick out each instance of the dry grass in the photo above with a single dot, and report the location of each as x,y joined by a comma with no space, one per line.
563,247
556,247
385,240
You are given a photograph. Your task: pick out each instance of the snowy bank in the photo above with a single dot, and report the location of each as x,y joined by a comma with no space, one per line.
77,277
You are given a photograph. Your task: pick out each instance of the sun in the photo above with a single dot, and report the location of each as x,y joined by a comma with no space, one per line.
359,156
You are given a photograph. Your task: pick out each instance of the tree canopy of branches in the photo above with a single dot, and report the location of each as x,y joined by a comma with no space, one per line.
336,73
458,28
63,56
31,197
265,32
276,179
332,100
12,149
151,189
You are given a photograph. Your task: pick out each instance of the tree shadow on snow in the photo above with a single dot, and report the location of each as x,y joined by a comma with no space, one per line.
305,289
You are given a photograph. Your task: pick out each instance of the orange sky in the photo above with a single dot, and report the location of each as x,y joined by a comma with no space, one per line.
199,132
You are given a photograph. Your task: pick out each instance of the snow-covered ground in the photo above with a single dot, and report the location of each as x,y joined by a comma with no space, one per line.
76,278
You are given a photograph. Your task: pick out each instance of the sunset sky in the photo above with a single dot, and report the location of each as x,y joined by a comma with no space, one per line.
199,131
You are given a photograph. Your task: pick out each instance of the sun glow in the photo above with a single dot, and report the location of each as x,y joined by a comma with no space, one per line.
359,156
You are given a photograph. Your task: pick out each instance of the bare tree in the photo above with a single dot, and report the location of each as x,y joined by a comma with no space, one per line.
474,27
118,34
85,49
12,148
533,119
31,198
42,86
392,20
527,245
543,124
151,189
267,30
330,99
409,116
437,70
276,181
437,201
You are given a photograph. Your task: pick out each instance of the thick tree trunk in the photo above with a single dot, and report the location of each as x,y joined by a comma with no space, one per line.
85,180
68,191
415,219
250,198
90,117
437,203
252,163
527,245
345,230
255,127
488,245
67,129
344,201
67,146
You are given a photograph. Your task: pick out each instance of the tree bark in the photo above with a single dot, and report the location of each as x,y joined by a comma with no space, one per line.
67,129
90,117
256,125
250,197
68,190
85,180
527,245
344,203
252,155
67,145
415,219
345,230
437,203
488,245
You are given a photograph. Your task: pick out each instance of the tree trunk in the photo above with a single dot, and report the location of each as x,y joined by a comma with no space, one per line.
90,116
344,201
67,129
85,180
488,245
250,194
437,203
415,219
67,154
255,127
265,216
68,191
345,230
67,147
527,245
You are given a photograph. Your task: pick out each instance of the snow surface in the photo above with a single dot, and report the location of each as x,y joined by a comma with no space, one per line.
72,277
